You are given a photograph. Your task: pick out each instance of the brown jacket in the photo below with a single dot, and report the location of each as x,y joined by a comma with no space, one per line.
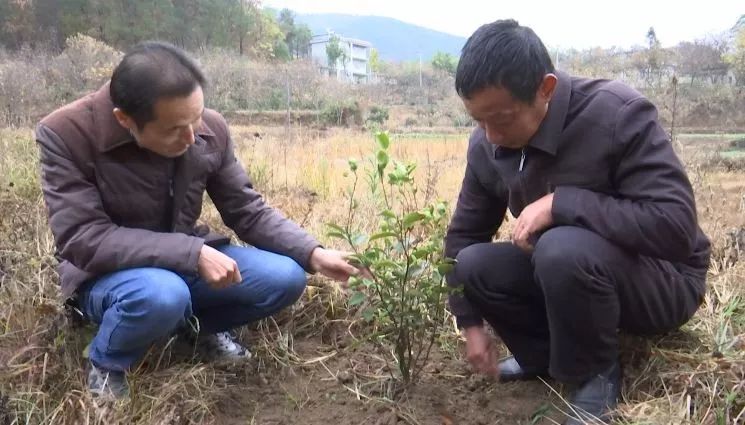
113,205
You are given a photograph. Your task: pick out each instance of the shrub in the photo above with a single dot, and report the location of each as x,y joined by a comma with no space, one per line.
342,113
377,115
404,293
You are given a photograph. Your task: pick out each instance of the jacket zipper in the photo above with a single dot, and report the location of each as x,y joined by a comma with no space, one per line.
523,189
522,160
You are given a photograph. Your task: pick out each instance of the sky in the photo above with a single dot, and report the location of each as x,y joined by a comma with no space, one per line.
565,24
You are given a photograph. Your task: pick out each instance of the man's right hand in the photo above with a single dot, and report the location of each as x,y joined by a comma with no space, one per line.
217,269
481,351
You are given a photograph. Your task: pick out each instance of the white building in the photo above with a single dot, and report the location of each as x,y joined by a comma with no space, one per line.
354,65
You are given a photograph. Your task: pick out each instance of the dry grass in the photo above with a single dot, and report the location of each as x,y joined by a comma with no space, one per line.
694,376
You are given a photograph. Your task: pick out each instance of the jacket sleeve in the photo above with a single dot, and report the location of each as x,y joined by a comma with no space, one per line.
243,209
478,214
85,235
654,213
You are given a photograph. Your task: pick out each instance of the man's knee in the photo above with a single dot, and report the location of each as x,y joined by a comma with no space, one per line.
282,282
163,299
564,254
470,265
290,278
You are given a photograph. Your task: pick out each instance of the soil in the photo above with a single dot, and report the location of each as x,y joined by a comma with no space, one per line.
323,393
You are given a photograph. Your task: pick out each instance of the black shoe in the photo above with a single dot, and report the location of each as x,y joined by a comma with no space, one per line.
594,401
510,370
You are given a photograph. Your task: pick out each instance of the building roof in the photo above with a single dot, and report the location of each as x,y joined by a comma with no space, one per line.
322,38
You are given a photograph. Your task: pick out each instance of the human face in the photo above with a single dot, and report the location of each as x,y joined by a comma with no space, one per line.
171,132
509,122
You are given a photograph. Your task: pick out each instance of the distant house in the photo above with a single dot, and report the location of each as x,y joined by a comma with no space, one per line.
354,65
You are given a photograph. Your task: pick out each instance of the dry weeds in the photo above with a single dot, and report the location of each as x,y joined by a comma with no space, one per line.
693,376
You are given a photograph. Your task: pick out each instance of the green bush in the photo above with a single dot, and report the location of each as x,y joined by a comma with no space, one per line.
342,113
377,115
404,294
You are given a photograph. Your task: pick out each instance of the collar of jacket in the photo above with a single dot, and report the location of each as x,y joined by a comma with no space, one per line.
547,136
109,134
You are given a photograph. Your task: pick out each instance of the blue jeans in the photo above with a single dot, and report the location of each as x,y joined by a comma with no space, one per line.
136,307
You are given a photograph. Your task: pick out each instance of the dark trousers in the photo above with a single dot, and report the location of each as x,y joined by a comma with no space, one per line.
561,307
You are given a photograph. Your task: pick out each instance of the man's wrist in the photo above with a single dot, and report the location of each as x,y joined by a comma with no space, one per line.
468,321
313,259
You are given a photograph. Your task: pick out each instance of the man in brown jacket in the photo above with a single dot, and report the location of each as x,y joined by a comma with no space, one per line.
606,235
124,171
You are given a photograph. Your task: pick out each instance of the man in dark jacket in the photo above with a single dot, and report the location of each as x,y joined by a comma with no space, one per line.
124,171
606,235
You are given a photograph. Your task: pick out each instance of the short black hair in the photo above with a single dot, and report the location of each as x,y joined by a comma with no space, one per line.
503,54
150,71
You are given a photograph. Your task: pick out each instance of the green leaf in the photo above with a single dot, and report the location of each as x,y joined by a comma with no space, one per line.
382,235
355,282
358,260
336,235
356,298
445,268
387,264
388,214
353,165
368,314
383,159
446,265
383,140
333,226
371,255
421,253
412,218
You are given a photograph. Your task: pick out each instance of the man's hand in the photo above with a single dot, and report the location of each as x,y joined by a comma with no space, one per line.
534,219
333,264
481,352
217,269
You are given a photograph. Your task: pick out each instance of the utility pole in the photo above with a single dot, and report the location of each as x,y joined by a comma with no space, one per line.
420,69
288,131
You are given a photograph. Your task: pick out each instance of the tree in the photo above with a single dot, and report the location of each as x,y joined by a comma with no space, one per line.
47,19
374,60
241,20
335,52
286,21
301,41
297,36
737,58
702,58
16,23
650,61
190,24
653,52
445,62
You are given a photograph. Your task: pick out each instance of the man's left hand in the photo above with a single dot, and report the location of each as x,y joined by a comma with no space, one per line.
534,219
333,264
